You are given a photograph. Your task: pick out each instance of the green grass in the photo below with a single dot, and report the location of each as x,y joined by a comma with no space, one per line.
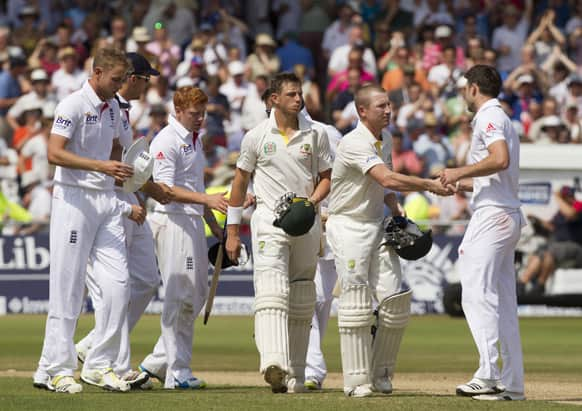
433,345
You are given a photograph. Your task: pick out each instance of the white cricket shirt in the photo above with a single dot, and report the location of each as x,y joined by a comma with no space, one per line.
491,124
178,161
354,193
282,165
90,125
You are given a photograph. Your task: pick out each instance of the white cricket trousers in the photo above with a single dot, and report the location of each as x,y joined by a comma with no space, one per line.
486,264
85,224
144,280
325,279
182,257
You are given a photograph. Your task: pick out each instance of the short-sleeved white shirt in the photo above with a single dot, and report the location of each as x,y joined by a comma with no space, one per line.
491,124
282,167
178,161
354,193
90,125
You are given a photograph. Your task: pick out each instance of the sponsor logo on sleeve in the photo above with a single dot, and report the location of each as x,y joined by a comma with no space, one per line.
62,122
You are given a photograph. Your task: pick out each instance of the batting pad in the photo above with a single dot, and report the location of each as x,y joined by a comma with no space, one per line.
271,318
393,316
355,318
301,307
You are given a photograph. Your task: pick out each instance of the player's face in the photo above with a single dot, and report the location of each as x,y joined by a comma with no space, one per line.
110,81
139,84
469,93
290,99
192,117
378,113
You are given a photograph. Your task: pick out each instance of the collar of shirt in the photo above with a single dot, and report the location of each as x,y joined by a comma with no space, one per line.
365,131
123,103
93,97
179,128
488,104
303,123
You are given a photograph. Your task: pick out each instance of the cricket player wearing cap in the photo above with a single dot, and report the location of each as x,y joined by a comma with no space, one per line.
487,252
367,268
291,163
86,223
178,231
143,269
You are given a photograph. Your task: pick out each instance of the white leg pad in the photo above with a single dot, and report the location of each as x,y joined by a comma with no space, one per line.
355,318
301,307
393,316
271,318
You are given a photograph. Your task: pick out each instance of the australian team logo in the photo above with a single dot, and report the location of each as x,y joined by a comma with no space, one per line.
91,119
270,148
305,149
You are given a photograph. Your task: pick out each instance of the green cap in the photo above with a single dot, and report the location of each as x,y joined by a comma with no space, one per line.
298,219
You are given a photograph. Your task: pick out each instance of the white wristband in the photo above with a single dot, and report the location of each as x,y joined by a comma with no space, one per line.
234,215
457,185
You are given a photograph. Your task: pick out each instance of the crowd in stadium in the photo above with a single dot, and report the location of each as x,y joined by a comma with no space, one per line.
417,50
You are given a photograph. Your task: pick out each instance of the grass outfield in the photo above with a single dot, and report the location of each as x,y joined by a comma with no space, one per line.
433,347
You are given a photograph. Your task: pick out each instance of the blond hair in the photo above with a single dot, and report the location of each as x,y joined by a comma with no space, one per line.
186,97
109,57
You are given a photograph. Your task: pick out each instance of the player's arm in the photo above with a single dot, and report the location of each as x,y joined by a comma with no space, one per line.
60,156
322,189
400,182
237,197
214,201
392,203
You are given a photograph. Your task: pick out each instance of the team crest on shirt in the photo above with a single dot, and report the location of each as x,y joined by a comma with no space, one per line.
270,148
186,148
91,119
305,149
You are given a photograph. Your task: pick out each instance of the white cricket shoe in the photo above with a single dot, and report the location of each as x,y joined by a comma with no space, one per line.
502,396
106,379
478,386
295,386
192,383
359,391
383,385
66,384
312,384
157,375
275,377
42,381
137,379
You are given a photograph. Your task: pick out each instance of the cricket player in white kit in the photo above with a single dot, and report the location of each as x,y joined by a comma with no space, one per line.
486,254
86,223
180,241
366,269
143,269
286,154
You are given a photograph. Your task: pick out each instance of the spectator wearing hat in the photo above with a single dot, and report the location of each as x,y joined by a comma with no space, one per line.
10,90
509,38
264,60
339,58
69,77
573,121
40,93
7,47
535,133
195,49
167,52
31,120
28,34
338,34
554,131
236,89
138,41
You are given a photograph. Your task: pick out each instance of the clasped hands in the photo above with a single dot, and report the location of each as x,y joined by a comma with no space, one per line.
445,182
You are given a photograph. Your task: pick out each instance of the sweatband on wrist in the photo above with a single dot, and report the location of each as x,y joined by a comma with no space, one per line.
457,185
126,209
234,215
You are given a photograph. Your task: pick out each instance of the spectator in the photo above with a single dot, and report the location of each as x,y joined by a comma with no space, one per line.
37,200
433,148
564,246
526,92
178,22
310,91
118,37
400,96
397,18
455,107
39,93
509,38
573,122
338,34
549,109
28,34
560,79
45,56
292,53
10,91
575,91
339,81
158,120
443,77
339,59
345,97
288,14
553,131
314,21
236,90
7,47
69,77
253,110
215,53
167,52
404,161
218,111
545,37
232,32
431,13
263,61
196,72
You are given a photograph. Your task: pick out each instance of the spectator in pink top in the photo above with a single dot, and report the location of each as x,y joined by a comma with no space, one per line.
165,50
339,82
404,161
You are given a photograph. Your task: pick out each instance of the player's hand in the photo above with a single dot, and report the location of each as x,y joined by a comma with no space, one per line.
161,193
448,176
138,214
232,247
217,202
249,201
438,188
116,169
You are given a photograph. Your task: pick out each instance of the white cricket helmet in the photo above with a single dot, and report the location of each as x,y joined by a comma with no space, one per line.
138,156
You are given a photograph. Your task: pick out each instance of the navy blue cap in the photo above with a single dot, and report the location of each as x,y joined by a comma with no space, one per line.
141,66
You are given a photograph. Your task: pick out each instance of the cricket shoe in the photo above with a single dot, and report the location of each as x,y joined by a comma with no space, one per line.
157,376
359,391
312,384
66,384
502,396
42,381
478,386
295,386
383,385
191,383
275,377
106,379
137,380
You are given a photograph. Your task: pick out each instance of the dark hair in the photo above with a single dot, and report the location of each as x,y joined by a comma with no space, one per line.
282,78
486,78
266,94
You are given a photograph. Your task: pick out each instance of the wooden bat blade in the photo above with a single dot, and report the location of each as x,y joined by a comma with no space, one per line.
214,283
